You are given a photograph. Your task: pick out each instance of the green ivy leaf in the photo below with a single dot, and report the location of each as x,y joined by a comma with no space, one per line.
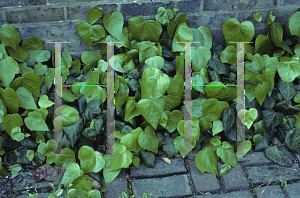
287,89
90,161
220,92
130,140
261,91
30,155
30,81
35,46
154,83
195,128
12,121
144,30
148,158
35,122
65,161
176,86
89,33
172,26
163,15
9,68
217,126
257,138
108,175
257,16
94,15
44,102
182,34
148,140
122,157
264,45
227,154
294,24
201,57
69,115
278,157
72,172
136,162
16,134
271,118
18,54
26,99
233,30
151,110
202,34
10,99
206,160
229,55
212,109
183,148
276,34
288,71
122,92
270,18
74,131
113,23
9,31
169,147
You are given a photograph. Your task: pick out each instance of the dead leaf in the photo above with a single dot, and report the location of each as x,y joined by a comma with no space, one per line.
276,141
167,160
46,172
89,178
96,184
128,178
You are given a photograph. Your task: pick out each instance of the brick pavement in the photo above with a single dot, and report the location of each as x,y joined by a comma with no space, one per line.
253,178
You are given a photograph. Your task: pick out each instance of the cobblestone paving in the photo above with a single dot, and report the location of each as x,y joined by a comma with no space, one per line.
255,177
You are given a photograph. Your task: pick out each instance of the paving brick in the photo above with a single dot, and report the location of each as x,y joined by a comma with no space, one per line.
259,175
288,2
67,32
293,190
203,19
68,1
218,20
269,192
234,179
31,183
40,195
236,194
257,159
134,9
203,182
116,187
160,169
284,13
1,19
245,16
173,186
217,35
298,156
44,195
229,5
11,3
189,6
63,32
35,15
37,31
80,12
33,2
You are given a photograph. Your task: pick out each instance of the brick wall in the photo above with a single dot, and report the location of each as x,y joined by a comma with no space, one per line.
55,20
